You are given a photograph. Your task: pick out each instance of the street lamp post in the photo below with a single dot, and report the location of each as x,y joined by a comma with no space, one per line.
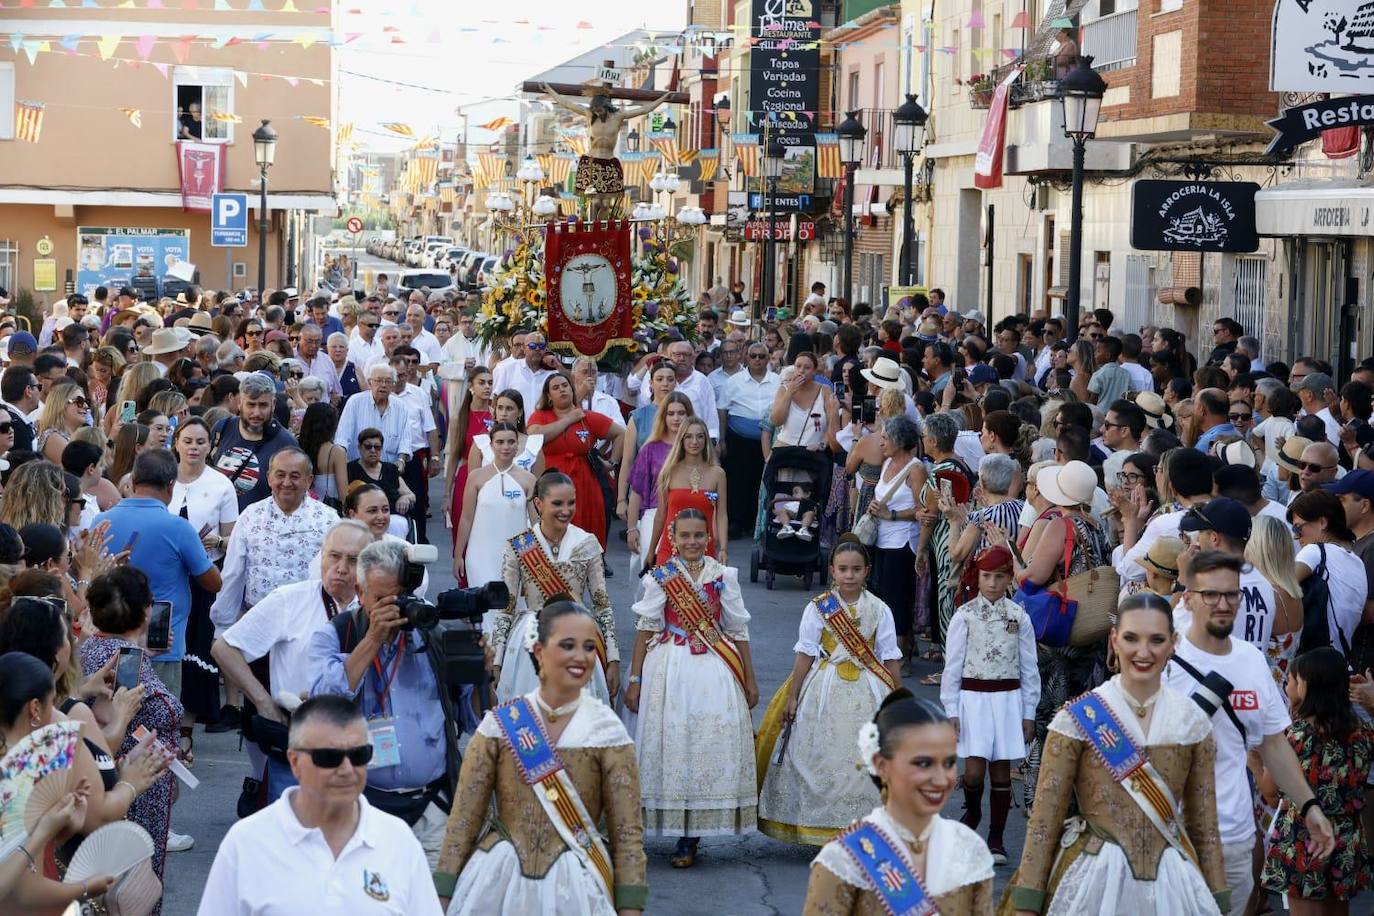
264,151
852,135
773,155
909,135
1081,102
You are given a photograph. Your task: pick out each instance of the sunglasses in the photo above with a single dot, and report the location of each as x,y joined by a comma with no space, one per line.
1312,467
252,333
6,429
371,446
536,346
758,355
79,402
371,324
1240,417
79,501
331,758
298,375
294,338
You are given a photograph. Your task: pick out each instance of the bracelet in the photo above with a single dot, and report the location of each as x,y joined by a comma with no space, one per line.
132,788
1307,806
33,866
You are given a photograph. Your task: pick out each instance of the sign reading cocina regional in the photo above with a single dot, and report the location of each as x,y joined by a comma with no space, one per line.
1306,122
784,69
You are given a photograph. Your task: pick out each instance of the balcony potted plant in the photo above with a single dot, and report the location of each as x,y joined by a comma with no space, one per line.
1037,81
980,88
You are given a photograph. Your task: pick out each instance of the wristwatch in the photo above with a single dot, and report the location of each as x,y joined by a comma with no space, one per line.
635,679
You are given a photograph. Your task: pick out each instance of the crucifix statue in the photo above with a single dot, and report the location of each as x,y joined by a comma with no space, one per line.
600,176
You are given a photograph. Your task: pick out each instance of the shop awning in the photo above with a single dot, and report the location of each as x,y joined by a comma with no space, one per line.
1316,208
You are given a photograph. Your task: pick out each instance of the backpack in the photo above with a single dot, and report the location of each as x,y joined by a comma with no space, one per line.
1316,598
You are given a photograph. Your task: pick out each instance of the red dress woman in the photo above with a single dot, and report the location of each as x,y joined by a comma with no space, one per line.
570,434
473,420
691,479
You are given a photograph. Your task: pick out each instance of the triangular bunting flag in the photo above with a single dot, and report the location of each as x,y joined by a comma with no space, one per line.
134,115
181,48
242,78
107,45
289,7
145,45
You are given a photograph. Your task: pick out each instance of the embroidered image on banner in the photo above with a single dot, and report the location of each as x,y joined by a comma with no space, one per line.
587,269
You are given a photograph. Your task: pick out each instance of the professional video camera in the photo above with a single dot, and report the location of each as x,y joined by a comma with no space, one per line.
463,660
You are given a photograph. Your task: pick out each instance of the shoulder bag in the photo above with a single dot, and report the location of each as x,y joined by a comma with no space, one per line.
866,526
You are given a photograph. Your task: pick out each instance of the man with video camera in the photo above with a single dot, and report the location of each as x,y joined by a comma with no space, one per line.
393,670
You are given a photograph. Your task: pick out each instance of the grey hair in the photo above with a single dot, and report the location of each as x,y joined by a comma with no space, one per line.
256,385
207,345
348,524
1250,346
372,370
944,429
385,556
996,473
1267,386
313,383
342,338
228,353
902,433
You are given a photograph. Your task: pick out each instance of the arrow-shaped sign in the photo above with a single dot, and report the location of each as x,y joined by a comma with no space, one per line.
1301,123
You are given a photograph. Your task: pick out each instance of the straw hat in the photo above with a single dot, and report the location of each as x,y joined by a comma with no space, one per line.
1069,484
168,340
885,374
1157,414
200,324
739,318
1163,555
929,328
1291,453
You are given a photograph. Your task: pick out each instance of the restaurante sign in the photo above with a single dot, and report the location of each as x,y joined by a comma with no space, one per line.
1301,123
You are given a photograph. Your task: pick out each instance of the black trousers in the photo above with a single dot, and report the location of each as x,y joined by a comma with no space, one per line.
743,465
417,478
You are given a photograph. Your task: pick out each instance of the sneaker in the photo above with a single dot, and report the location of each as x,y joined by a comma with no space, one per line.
804,534
179,842
999,854
785,532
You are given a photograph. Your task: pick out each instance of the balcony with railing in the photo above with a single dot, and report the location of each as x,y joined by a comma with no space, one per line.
1111,40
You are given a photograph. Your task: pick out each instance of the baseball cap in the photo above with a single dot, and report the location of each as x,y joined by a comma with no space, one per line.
1222,515
1315,381
23,341
982,374
973,315
128,291
1359,482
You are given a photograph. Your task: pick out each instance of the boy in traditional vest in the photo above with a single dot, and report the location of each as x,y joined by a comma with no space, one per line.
990,689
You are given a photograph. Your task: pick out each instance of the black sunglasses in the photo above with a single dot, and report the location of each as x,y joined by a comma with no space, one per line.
6,429
331,758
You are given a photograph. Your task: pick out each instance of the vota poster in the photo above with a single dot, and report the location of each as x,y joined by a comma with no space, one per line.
115,257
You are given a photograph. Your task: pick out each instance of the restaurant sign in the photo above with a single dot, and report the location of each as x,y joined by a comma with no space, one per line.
1194,216
1301,123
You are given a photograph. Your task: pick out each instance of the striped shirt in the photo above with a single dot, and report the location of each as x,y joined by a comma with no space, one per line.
1005,515
397,424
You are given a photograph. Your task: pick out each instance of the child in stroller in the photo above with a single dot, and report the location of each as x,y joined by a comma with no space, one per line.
787,507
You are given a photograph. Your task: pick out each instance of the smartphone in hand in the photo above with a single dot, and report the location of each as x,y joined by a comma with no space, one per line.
128,667
160,626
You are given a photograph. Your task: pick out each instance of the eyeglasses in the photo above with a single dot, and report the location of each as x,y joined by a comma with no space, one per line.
1130,478
1108,424
1297,528
79,501
1218,330
1312,467
1212,597
1240,417
331,758
371,446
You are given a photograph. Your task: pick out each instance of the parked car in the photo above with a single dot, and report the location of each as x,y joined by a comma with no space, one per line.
446,256
433,280
486,272
467,269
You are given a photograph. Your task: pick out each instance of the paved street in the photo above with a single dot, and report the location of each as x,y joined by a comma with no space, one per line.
746,876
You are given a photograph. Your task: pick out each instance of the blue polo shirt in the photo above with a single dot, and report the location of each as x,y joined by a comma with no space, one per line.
169,553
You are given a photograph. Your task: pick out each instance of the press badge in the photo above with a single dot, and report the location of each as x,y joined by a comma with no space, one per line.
386,747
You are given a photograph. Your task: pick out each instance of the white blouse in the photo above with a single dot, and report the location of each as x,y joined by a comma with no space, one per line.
871,612
734,619
208,500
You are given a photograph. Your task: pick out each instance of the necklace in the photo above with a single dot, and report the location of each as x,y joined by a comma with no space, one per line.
694,566
917,843
1141,709
553,715
695,479
553,546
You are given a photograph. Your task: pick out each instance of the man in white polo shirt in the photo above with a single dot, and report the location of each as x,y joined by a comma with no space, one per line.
321,848
1253,715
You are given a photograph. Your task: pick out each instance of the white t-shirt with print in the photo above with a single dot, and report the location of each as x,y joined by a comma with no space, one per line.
1259,706
1254,617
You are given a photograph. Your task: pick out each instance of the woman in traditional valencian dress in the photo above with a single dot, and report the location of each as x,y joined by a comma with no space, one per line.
1140,759
903,857
554,558
555,761
694,733
847,661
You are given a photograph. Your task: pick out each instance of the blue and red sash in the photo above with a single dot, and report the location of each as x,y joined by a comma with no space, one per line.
692,607
837,618
896,885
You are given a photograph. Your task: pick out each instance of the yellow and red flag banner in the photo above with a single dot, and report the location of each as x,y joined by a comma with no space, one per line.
545,161
426,170
710,162
315,120
828,163
28,121
345,133
493,166
649,166
497,124
747,149
562,167
578,143
665,141
404,130
134,115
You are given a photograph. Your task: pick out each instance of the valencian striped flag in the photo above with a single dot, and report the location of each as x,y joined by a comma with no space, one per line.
710,161
665,141
426,168
747,149
405,130
344,135
562,168
28,121
493,167
828,163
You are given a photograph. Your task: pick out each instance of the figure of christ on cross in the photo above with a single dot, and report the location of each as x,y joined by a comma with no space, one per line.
600,177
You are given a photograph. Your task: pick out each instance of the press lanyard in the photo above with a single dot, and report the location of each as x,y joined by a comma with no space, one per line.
385,681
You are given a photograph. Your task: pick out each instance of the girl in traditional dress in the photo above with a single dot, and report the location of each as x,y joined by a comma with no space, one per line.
813,790
694,733
570,433
903,857
555,557
554,761
1140,759
990,689
642,477
494,504
691,478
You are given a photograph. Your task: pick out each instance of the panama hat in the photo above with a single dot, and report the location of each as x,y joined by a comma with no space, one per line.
1291,453
1157,414
1163,555
168,340
1235,453
739,318
1070,484
200,324
885,374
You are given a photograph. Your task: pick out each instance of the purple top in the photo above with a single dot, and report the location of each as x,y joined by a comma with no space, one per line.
644,475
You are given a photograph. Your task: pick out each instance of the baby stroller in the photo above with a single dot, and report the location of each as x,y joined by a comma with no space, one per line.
796,485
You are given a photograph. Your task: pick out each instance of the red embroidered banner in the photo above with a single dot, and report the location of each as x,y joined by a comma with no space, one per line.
201,169
587,270
987,162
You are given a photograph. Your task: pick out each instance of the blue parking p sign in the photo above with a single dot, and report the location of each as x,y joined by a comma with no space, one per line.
229,220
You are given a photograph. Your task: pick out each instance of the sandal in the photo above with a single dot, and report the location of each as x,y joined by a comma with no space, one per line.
187,752
685,855
933,655
932,680
906,667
